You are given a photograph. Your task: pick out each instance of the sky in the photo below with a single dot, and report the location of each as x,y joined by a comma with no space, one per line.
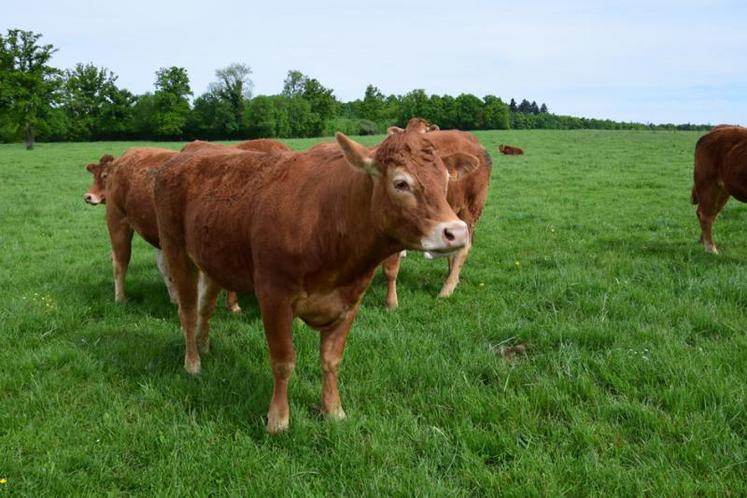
646,61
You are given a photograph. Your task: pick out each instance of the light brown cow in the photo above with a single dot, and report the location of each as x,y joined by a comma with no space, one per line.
257,145
125,185
720,172
510,150
305,232
419,125
466,196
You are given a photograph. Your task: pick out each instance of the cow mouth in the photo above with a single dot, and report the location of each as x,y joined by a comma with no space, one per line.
442,253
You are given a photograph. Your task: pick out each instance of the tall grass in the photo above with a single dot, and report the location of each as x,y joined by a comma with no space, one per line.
633,381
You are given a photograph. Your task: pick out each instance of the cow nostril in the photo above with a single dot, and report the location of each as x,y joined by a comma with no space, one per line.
448,235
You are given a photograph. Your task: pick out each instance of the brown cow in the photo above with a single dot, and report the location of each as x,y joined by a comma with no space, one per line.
466,197
125,185
720,172
257,145
510,150
305,231
419,125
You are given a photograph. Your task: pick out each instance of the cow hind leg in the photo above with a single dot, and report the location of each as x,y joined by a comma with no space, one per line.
455,267
207,296
184,277
164,270
710,204
232,302
390,267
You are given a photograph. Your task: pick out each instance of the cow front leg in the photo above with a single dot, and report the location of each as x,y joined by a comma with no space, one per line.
277,317
207,296
390,267
455,267
121,238
331,348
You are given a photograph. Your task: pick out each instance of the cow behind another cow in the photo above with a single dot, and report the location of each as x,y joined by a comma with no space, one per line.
720,173
125,186
466,196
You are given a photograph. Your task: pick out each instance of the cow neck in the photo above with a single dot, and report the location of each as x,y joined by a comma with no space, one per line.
363,245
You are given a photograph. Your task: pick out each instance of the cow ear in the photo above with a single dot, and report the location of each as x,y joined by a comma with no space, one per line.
106,158
460,164
394,129
91,167
357,155
434,127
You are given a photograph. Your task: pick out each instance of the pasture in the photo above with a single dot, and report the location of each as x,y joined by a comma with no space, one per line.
633,381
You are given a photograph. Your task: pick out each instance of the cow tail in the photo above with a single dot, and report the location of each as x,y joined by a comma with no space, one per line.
693,196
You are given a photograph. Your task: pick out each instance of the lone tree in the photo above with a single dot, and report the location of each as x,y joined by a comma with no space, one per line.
171,101
96,108
234,86
28,85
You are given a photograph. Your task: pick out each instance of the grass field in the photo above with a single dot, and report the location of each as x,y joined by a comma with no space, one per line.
633,382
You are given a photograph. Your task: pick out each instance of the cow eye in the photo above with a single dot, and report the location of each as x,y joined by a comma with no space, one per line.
401,186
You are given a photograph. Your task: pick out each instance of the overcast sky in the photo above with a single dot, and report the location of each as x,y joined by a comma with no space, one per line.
649,61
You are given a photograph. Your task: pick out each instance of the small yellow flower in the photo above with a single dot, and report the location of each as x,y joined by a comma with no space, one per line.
482,284
517,263
3,481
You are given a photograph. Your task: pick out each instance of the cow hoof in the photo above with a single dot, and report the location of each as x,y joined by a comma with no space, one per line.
234,309
120,299
446,292
192,367
203,345
276,425
392,306
336,414
711,250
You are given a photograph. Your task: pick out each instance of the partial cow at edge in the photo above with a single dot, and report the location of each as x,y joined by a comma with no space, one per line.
720,173
465,195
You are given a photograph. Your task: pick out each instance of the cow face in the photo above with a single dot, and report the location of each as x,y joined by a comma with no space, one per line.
409,190
418,125
97,191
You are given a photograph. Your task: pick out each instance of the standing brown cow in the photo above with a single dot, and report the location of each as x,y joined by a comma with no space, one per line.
305,232
466,196
125,185
720,172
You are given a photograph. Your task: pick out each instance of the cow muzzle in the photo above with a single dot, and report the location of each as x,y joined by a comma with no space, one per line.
92,199
446,238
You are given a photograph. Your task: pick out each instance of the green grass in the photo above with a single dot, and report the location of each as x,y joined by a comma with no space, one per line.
633,382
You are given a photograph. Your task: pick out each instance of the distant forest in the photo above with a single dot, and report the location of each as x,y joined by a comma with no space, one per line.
84,103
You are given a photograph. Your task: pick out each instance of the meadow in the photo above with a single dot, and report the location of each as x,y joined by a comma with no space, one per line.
633,381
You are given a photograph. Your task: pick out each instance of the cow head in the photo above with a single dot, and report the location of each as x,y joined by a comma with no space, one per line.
418,125
409,190
97,191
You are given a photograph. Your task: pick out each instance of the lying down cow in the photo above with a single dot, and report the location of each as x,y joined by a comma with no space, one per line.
125,185
305,232
466,196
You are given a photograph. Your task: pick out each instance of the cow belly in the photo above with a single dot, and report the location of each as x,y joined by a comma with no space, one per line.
323,310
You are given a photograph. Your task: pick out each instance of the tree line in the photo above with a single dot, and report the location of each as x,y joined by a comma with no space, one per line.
84,103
